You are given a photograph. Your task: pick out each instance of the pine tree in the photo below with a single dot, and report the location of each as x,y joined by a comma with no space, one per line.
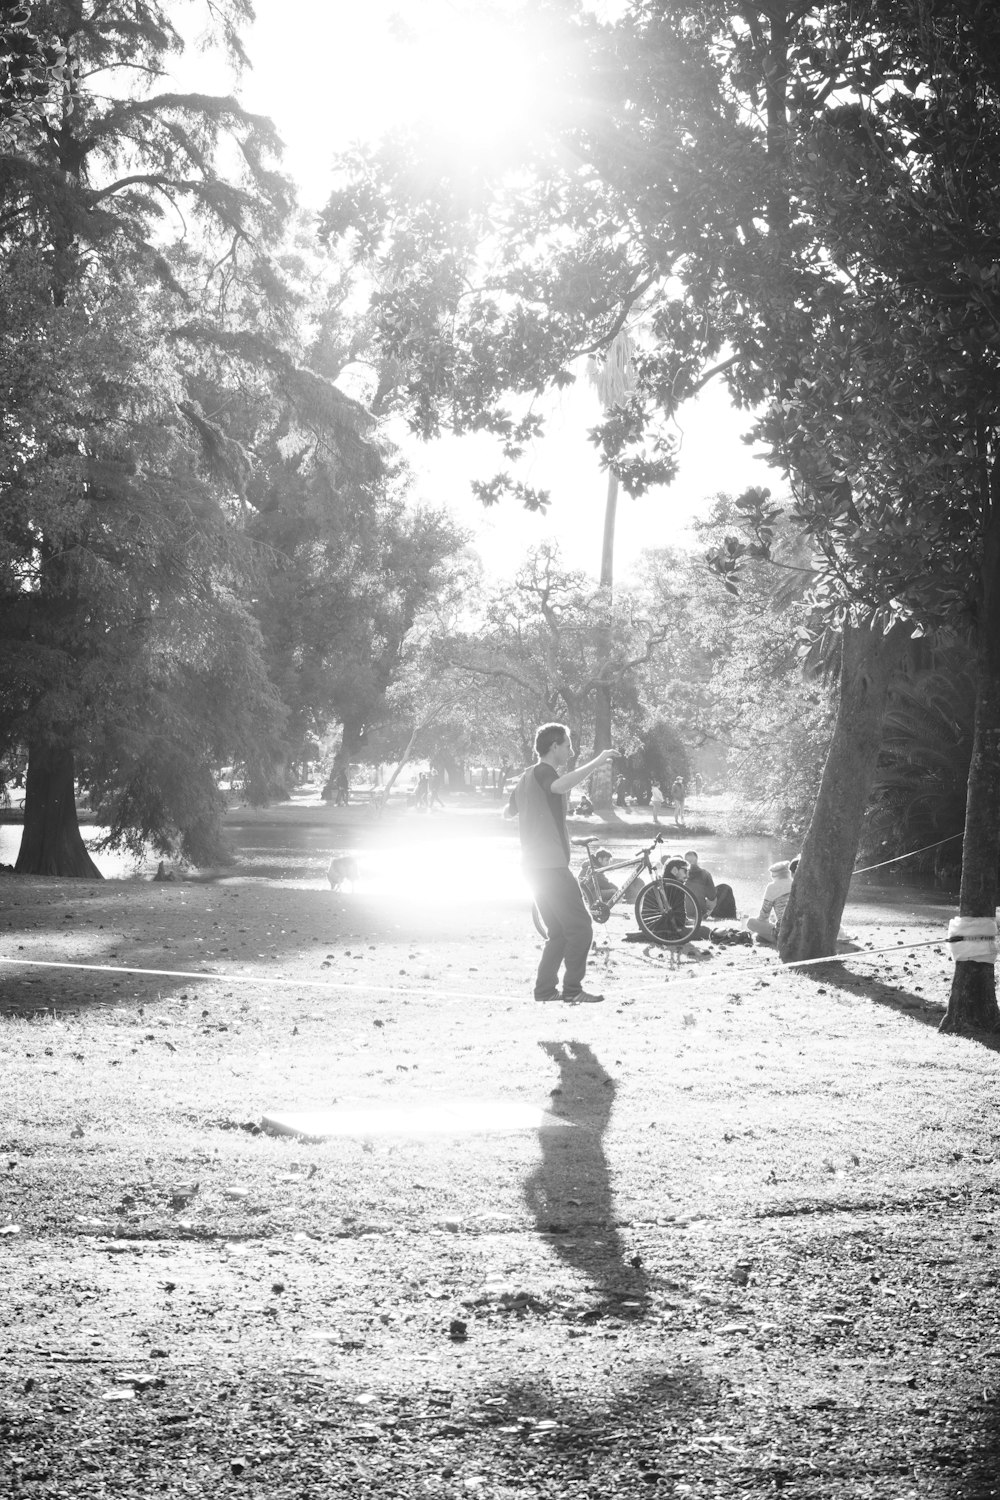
130,259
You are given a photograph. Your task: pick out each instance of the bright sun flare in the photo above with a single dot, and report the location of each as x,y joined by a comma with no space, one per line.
466,77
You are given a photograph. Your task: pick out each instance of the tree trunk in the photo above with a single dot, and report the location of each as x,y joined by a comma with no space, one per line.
51,843
602,782
972,1004
452,769
812,917
429,716
608,547
350,738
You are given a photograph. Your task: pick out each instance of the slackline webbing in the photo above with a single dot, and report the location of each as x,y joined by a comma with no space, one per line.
436,991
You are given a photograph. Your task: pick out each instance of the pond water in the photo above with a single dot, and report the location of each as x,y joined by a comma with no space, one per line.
456,859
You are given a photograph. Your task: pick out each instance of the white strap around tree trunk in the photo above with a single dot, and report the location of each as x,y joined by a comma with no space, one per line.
973,939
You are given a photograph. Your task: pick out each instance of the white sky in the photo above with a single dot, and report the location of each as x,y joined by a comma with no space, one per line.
329,72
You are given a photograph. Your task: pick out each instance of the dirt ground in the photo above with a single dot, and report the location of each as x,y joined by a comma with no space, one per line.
753,1252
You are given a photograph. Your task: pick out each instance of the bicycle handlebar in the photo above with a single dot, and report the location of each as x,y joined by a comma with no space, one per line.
650,847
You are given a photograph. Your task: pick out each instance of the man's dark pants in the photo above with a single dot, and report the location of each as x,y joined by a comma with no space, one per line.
567,922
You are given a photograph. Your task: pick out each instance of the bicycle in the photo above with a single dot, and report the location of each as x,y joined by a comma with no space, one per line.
665,910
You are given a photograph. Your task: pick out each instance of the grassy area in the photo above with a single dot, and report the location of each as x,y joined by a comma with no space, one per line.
760,1258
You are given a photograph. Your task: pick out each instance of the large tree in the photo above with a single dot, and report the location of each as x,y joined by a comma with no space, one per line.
892,420
350,569
146,315
128,655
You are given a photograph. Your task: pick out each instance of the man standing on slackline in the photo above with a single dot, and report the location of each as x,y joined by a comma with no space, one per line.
538,801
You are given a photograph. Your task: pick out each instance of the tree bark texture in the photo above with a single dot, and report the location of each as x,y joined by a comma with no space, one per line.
347,751
602,782
608,546
972,1004
812,917
51,843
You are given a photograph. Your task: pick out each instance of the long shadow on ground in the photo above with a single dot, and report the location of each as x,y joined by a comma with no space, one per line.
570,1193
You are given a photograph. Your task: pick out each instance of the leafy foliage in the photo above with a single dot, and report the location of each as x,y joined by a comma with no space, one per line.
743,667
123,634
546,641
31,60
122,550
920,786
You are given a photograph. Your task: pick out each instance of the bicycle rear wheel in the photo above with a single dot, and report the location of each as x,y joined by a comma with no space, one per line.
667,912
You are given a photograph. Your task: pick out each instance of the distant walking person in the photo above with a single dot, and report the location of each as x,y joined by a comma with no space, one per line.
677,795
538,801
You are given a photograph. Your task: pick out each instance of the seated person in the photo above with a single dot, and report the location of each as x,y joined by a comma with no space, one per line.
713,900
675,918
606,889
772,908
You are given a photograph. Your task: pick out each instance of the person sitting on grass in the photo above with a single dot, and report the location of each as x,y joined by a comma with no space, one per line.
772,907
606,889
675,920
713,900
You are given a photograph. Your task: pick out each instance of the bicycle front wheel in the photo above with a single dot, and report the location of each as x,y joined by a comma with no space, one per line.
667,912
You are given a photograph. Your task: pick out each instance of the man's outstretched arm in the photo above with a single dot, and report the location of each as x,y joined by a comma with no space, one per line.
569,779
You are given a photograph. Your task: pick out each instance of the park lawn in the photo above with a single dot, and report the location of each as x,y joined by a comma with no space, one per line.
761,1258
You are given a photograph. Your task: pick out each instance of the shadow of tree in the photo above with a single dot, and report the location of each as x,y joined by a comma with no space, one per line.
570,1193
870,987
93,939
905,1002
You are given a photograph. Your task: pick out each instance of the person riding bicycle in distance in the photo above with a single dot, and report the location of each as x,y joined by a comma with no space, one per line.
538,801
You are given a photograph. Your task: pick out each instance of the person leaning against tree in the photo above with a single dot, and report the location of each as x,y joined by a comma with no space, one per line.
538,801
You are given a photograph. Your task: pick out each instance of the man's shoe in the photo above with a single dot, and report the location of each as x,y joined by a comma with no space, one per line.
552,995
582,997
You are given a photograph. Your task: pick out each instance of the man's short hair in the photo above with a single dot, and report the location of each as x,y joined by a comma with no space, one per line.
690,854
548,735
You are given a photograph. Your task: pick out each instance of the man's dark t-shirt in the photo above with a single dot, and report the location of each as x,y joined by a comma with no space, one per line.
541,816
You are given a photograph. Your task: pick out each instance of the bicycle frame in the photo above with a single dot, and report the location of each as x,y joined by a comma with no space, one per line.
590,882
665,910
